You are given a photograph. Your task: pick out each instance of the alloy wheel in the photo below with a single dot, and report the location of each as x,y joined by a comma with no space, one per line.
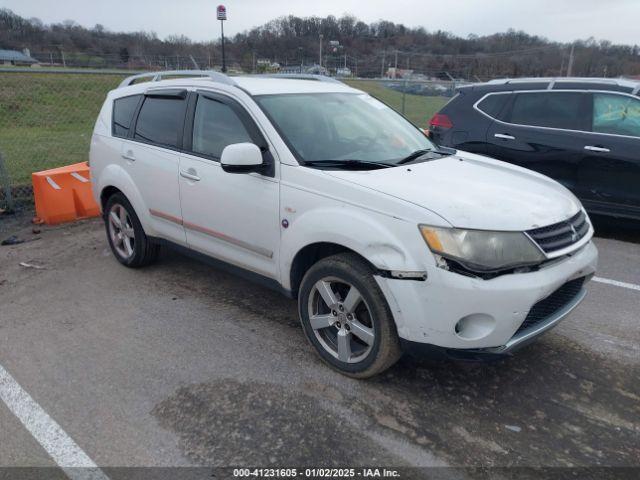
121,231
341,319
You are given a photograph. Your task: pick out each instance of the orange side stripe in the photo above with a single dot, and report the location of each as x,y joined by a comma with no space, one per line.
166,216
212,233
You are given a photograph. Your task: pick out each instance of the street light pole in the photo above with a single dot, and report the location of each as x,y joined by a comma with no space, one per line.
320,56
224,60
222,16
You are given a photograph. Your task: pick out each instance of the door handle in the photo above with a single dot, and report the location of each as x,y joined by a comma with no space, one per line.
190,174
128,155
593,148
504,136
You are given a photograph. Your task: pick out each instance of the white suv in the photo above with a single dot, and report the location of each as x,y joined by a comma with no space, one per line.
387,241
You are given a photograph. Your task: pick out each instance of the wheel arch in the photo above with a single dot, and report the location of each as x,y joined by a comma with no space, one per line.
377,240
311,254
114,179
106,193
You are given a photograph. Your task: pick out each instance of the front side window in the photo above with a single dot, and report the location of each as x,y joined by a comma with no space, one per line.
616,114
160,121
564,110
341,127
215,126
123,109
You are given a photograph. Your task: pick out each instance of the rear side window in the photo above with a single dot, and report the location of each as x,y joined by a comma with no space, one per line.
160,121
215,126
123,109
493,105
556,110
616,114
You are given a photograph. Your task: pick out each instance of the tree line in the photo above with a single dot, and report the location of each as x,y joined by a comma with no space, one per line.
367,49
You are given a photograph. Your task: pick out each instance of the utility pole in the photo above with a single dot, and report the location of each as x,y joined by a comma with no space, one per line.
395,67
222,16
224,59
320,56
345,61
384,52
253,70
570,65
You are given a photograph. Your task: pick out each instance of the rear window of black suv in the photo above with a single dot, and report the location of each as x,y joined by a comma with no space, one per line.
493,104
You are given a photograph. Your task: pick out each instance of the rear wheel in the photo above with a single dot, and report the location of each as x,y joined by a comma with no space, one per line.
127,239
346,317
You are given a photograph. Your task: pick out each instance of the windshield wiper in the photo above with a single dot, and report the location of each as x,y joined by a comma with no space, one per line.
417,154
440,151
348,163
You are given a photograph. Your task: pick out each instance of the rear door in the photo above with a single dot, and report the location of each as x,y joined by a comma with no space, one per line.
543,131
609,174
151,156
230,216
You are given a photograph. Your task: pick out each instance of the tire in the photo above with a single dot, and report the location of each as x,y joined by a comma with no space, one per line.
130,245
358,338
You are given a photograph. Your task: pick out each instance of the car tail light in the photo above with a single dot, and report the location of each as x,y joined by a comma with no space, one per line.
440,120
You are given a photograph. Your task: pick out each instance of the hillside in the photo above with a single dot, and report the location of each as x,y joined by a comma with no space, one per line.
367,49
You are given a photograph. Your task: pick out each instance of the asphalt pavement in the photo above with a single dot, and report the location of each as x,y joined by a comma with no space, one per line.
180,364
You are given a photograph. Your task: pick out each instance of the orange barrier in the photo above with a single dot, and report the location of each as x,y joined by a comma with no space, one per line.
63,194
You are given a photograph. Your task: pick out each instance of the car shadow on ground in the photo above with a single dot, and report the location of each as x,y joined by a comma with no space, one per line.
624,230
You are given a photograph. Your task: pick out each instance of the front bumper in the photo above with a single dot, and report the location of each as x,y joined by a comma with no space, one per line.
491,311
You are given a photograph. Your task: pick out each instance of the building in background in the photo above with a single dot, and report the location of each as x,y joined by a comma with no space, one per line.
14,57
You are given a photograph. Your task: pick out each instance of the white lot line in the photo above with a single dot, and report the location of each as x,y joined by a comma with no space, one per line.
630,286
60,446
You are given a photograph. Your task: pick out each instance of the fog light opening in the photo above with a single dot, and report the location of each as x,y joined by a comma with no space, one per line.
475,326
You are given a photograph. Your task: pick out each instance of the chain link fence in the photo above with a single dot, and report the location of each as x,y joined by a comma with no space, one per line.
47,117
417,100
46,120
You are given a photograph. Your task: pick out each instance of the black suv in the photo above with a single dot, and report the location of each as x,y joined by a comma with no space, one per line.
583,132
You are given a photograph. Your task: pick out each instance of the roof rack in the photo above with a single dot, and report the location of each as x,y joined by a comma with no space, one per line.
157,76
301,76
553,81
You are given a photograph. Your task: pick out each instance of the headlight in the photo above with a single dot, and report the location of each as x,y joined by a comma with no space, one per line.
482,250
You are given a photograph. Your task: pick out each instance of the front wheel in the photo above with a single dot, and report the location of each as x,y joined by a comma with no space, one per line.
346,317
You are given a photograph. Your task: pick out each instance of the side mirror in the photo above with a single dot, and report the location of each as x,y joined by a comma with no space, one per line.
241,158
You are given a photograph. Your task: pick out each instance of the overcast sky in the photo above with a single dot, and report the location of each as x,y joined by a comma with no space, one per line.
562,20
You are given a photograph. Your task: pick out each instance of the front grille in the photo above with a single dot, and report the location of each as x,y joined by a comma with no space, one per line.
562,234
549,306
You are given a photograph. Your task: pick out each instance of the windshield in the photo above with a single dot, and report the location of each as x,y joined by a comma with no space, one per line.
336,127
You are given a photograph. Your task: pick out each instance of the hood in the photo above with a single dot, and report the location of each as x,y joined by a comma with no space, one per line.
472,191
